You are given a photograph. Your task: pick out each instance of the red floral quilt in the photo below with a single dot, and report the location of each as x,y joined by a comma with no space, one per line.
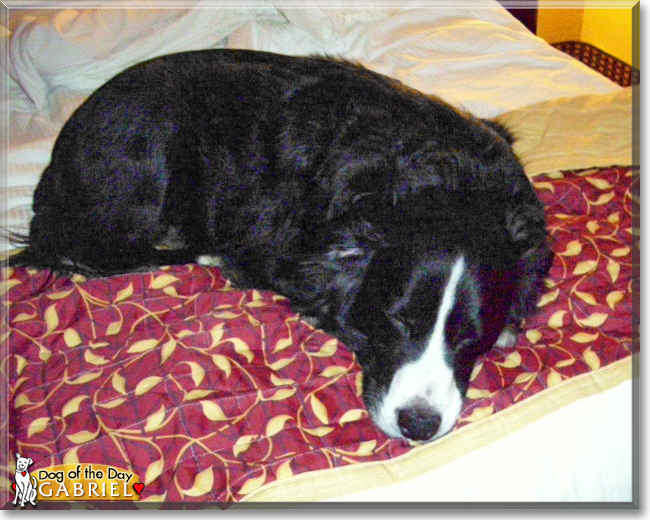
208,393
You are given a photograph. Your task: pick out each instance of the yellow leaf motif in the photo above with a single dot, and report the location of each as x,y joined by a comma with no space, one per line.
253,484
319,409
533,335
94,359
154,421
621,251
593,226
593,320
281,363
72,405
583,337
113,403
553,379
37,425
363,450
586,297
153,471
242,444
113,328
216,333
162,281
358,384
591,358
223,363
59,295
23,316
476,370
601,184
477,393
573,248
196,394
565,363
43,353
84,378
167,350
284,470
21,400
319,431
203,484
524,377
198,373
142,346
614,218
170,291
278,381
71,338
51,318
71,456
586,266
603,199
147,384
213,411
613,268
119,383
82,436
227,315
6,285
21,363
557,319
352,415
511,361
327,350
279,395
282,344
276,424
548,297
242,349
613,298
123,294
334,370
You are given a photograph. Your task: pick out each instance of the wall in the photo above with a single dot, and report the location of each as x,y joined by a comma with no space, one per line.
608,29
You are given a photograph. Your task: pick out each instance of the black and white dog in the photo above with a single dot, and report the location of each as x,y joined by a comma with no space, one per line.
399,224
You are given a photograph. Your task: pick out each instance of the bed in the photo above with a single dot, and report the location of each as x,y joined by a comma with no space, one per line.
213,395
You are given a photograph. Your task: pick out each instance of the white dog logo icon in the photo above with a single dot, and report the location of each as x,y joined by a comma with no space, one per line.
25,485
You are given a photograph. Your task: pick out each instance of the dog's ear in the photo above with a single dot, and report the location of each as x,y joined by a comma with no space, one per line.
30,461
326,277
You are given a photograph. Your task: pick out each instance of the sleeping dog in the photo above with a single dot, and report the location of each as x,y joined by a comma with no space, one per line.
401,225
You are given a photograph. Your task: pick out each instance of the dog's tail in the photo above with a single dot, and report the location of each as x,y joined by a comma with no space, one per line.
49,256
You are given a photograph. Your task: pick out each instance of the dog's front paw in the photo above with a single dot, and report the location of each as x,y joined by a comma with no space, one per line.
507,339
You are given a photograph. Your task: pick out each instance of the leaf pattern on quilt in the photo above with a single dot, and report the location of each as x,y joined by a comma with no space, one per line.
209,393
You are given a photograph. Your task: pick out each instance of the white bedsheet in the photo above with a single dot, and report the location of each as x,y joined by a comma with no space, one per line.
587,457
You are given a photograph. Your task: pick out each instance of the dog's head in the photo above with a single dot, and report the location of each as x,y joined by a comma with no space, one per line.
425,292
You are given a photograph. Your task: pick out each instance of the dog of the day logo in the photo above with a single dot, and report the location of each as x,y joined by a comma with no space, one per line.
78,482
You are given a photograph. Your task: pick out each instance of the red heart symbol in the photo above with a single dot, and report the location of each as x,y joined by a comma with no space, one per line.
13,485
23,473
138,486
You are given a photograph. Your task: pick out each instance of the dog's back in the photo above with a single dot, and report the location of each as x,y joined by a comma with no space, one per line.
233,151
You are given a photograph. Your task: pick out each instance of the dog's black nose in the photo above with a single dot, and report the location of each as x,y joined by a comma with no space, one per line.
419,422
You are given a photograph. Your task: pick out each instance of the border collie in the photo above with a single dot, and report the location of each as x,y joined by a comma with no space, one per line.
401,225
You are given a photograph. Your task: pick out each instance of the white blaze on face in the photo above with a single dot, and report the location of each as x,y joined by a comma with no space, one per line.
429,379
